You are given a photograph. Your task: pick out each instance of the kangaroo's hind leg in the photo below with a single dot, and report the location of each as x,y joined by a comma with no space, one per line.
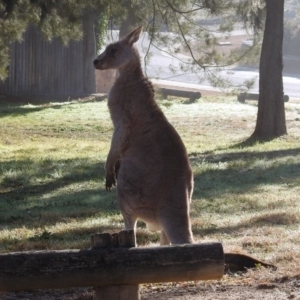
129,221
163,239
128,214
177,227
129,191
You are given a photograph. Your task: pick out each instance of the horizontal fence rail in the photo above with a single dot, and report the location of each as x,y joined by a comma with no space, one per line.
110,266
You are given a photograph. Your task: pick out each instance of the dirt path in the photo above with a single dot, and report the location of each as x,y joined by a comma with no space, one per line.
280,289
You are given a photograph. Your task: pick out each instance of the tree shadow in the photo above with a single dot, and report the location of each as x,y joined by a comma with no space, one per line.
232,156
33,194
214,183
77,193
16,110
224,181
267,219
20,107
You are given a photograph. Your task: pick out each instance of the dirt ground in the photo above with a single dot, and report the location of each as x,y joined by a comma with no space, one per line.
280,289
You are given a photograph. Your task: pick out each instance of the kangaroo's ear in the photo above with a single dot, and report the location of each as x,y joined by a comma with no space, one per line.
133,36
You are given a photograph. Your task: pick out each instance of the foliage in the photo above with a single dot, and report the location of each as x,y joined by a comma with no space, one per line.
56,19
183,18
291,41
100,29
252,13
190,31
11,29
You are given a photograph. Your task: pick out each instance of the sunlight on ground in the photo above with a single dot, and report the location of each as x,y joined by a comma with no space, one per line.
246,196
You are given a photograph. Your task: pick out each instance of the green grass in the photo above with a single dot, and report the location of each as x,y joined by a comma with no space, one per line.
52,192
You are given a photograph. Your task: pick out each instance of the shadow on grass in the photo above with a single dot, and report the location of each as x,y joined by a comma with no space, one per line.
266,219
47,192
42,199
252,141
16,110
79,237
21,107
73,238
227,183
232,156
51,191
238,179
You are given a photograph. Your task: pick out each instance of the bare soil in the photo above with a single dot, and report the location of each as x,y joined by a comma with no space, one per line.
286,288
280,289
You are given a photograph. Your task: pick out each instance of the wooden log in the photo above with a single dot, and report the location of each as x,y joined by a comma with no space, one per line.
110,266
242,97
192,95
120,292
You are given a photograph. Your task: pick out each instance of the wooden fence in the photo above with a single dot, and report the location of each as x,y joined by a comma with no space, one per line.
113,266
48,68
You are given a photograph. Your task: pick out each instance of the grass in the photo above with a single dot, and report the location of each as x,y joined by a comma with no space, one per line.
52,192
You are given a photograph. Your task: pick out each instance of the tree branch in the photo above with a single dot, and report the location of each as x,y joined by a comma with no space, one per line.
183,12
151,36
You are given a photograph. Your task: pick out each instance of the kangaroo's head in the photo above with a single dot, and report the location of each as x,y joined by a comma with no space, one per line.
120,54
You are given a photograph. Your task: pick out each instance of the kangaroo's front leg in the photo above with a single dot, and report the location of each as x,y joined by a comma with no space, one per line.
118,144
110,173
111,177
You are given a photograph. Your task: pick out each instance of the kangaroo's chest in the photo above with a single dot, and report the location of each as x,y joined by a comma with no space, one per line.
123,102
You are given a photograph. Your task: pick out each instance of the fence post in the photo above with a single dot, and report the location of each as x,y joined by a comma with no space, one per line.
125,238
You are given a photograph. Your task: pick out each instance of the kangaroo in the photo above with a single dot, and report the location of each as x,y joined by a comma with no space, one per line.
147,160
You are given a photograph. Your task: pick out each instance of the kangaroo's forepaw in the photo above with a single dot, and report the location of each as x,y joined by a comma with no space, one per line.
110,181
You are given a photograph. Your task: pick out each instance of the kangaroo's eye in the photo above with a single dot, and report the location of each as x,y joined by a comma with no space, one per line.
113,51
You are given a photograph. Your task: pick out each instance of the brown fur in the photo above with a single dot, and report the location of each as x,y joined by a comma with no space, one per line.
147,157
154,177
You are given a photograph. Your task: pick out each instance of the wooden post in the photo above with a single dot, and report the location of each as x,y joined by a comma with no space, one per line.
126,239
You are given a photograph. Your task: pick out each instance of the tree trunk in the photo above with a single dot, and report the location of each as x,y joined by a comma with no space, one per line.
89,53
271,114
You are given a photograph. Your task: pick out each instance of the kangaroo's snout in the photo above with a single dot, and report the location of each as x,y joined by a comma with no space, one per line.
96,62
100,63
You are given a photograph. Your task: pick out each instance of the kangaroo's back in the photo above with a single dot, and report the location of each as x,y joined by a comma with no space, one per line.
147,157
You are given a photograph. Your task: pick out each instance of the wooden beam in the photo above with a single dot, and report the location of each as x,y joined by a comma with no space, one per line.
242,97
110,266
192,95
